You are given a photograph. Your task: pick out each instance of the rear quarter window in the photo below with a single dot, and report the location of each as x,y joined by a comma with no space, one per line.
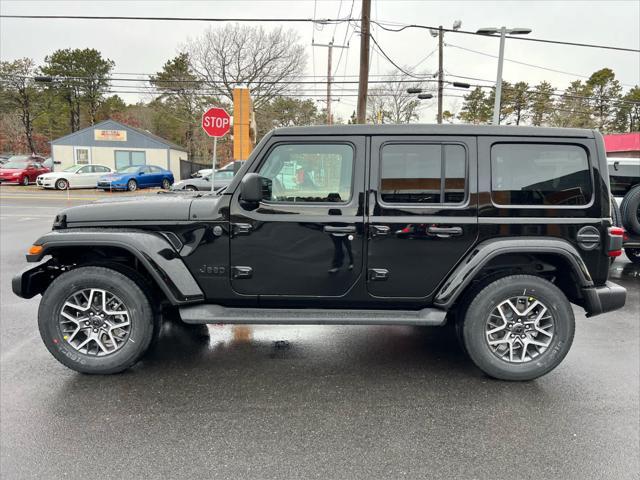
539,174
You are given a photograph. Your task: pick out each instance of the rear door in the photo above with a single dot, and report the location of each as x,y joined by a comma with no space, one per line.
423,212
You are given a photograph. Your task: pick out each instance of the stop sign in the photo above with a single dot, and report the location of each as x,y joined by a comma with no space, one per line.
216,122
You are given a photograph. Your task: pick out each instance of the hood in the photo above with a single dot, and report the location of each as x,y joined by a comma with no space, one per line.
56,174
129,210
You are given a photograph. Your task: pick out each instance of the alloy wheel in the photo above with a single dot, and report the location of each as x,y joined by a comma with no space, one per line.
519,329
95,322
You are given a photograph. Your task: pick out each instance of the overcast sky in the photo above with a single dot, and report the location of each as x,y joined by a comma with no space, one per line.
144,46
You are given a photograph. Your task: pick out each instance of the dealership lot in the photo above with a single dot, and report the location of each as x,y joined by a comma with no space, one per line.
308,401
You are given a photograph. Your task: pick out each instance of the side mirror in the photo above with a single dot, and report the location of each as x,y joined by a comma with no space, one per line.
254,188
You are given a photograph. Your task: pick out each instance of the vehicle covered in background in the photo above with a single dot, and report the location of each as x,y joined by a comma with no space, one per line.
22,169
137,176
221,180
76,176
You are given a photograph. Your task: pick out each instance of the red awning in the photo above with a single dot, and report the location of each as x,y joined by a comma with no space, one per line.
622,142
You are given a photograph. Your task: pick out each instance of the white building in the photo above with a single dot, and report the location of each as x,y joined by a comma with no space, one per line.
117,145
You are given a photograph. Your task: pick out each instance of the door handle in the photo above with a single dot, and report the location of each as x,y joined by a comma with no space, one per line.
346,229
444,232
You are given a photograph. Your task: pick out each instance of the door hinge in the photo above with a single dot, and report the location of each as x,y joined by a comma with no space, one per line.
378,274
241,272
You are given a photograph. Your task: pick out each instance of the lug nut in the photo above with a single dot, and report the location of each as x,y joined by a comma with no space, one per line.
91,314
95,330
522,336
86,323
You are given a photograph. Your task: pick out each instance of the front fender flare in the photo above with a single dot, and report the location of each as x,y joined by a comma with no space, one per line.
154,252
484,252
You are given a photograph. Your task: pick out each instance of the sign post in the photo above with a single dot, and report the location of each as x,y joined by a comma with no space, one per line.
216,122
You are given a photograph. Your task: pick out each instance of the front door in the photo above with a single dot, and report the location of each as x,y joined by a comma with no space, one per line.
422,212
306,239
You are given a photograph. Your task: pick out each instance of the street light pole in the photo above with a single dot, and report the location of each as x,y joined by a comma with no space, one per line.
502,31
498,99
440,72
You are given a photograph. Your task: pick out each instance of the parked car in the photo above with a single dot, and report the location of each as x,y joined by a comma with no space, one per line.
624,177
76,176
229,167
221,179
497,230
138,176
4,159
22,169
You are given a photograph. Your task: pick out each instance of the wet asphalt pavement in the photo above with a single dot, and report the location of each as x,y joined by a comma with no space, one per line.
311,401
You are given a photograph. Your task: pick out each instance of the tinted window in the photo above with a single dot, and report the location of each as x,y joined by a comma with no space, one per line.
414,173
87,169
155,169
540,174
309,173
100,169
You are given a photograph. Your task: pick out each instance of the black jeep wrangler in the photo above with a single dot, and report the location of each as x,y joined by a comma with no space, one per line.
495,229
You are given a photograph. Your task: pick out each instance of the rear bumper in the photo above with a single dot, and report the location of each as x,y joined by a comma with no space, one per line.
605,298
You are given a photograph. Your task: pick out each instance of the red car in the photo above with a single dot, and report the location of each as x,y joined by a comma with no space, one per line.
22,169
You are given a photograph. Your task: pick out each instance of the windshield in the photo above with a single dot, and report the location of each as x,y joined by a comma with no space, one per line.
73,168
128,169
21,164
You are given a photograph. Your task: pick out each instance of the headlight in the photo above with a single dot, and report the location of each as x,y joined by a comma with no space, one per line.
16,174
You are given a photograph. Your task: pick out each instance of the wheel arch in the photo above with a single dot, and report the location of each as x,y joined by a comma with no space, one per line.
548,258
152,255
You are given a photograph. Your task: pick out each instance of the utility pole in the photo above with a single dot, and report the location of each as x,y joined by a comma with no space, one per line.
440,71
363,84
330,46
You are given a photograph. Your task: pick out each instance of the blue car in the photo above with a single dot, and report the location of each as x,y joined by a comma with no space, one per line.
135,177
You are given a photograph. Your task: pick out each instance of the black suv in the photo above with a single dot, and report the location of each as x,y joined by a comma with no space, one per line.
497,230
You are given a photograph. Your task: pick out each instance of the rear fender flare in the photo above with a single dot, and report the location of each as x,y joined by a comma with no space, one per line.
484,252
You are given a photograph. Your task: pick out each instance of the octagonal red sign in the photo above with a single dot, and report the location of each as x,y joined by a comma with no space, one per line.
216,122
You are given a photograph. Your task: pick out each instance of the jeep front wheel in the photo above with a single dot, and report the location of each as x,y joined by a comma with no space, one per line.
518,327
95,320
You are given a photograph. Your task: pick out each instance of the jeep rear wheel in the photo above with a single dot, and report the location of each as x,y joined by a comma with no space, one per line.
96,320
633,254
519,327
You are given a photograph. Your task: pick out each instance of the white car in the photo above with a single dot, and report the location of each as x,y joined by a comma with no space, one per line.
76,176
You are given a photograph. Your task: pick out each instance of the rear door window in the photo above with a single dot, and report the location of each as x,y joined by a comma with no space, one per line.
423,173
540,174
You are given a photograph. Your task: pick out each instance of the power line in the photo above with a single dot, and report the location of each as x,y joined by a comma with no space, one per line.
325,21
515,37
526,64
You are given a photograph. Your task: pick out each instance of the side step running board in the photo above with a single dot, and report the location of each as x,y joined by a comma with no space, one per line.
206,313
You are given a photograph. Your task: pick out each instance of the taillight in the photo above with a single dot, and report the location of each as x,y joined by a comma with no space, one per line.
616,235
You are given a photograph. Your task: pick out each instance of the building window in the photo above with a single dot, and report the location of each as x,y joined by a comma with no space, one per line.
82,156
540,174
423,174
129,158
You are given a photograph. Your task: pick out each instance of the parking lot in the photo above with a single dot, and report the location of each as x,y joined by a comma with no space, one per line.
308,401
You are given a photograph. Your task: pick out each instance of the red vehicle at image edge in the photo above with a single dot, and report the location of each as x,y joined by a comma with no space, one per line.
496,230
22,169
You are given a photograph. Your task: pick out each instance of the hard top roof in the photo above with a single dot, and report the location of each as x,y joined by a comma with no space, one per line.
434,129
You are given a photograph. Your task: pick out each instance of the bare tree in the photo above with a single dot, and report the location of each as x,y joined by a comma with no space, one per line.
389,102
264,61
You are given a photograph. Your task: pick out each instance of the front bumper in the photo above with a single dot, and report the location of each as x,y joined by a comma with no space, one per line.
112,185
33,279
605,298
45,183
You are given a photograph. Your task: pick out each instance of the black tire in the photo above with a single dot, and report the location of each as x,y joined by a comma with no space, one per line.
616,216
137,303
489,298
62,184
166,184
191,188
132,185
633,254
25,181
630,210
